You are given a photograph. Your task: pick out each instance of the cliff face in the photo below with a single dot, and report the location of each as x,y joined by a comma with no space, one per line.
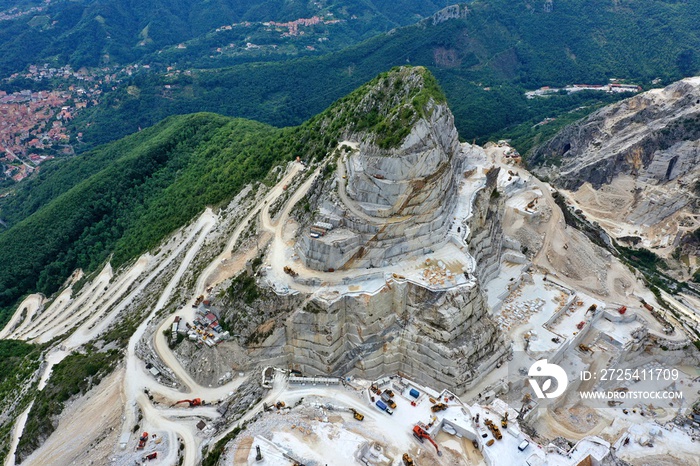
389,203
393,244
634,166
653,135
438,337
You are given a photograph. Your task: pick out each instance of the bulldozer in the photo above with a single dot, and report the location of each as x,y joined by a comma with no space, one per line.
194,402
421,435
356,414
407,460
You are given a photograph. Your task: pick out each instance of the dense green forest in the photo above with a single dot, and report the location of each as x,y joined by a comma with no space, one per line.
106,32
127,197
484,61
123,198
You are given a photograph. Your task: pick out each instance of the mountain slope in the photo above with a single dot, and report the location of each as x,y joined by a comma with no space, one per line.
105,32
484,55
143,192
130,194
634,167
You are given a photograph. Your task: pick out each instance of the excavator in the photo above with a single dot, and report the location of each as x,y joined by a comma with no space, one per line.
356,414
193,403
421,434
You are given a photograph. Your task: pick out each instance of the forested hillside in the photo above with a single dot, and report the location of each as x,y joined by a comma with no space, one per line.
131,194
106,32
122,199
484,60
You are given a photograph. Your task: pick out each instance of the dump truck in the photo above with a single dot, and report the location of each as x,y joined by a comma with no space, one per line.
421,435
407,460
356,414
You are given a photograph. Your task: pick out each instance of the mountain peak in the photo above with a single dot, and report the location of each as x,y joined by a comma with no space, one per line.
388,107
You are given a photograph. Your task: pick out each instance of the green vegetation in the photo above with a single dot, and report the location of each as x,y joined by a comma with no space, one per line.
390,104
696,276
129,195
151,185
18,363
244,286
484,62
107,32
212,458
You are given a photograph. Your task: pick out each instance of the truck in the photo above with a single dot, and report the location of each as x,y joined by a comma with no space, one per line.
142,441
380,404
387,399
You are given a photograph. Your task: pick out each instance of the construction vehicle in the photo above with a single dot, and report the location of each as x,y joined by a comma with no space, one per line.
151,456
504,421
580,325
622,310
142,441
432,400
387,399
438,407
199,299
357,415
585,348
194,402
592,308
381,405
494,429
407,460
389,392
280,404
421,435
289,271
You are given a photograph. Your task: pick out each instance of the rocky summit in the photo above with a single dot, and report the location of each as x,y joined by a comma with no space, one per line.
392,246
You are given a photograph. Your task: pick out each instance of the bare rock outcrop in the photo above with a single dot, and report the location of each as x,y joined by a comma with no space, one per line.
388,199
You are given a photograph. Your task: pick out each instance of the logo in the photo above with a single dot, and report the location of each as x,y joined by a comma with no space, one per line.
542,368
